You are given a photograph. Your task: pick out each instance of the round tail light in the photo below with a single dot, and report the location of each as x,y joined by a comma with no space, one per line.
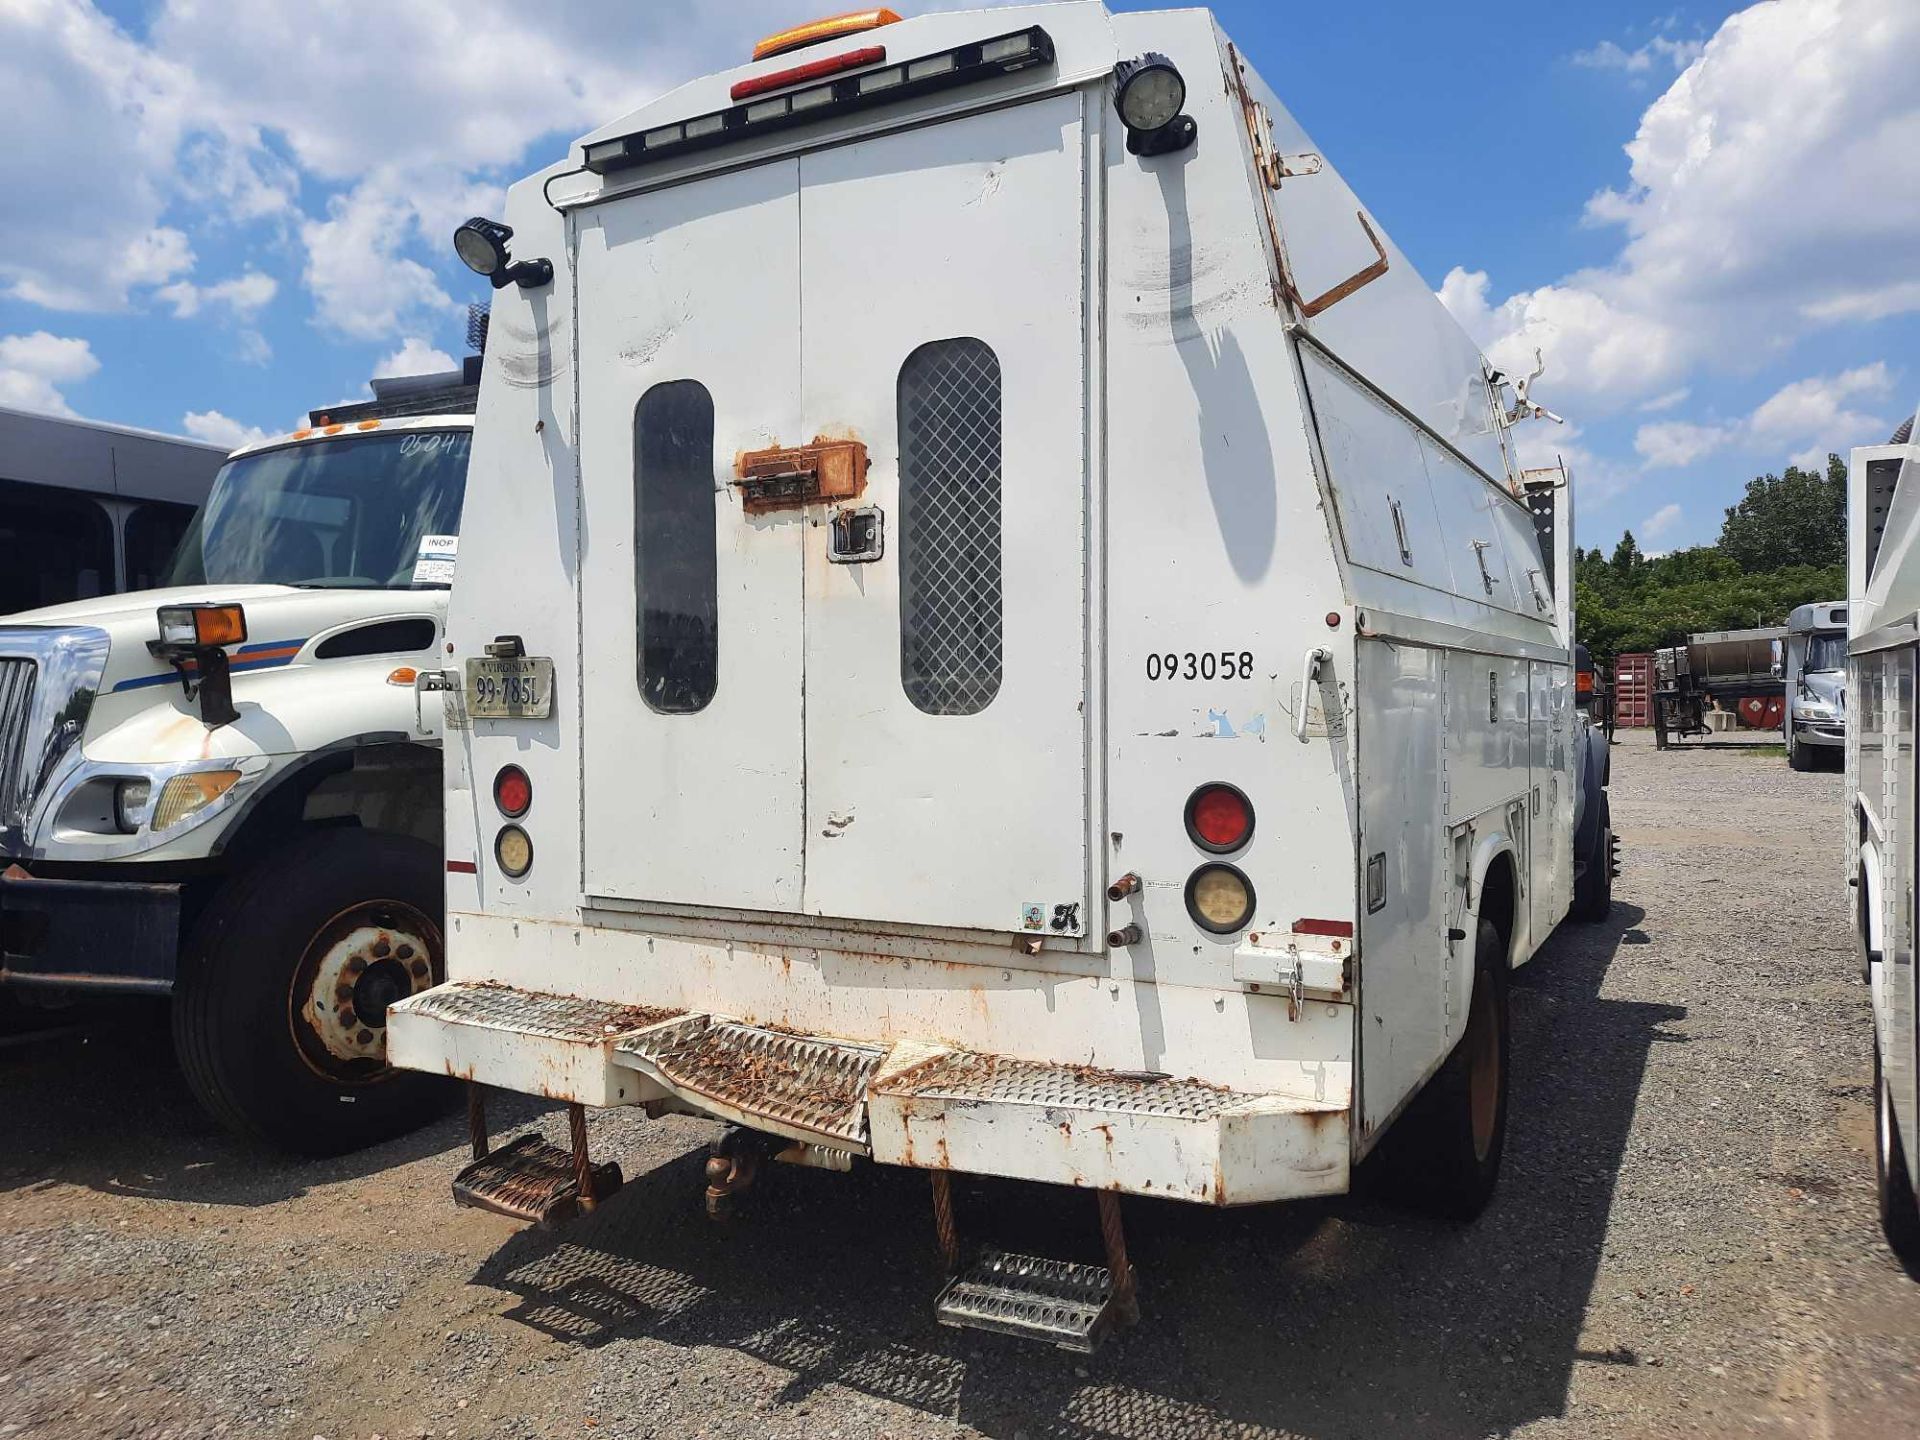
513,851
1219,818
1220,899
512,791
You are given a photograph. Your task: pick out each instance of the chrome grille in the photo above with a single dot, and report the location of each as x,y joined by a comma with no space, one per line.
17,677
950,540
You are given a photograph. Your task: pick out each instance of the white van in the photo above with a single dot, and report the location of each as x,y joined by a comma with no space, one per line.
1000,632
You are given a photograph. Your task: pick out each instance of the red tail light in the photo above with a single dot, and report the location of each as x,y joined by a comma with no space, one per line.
512,791
1219,818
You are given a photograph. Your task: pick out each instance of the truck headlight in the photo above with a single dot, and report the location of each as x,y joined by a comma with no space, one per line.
189,794
130,799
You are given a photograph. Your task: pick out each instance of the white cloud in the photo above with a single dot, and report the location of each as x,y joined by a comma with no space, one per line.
1666,401
1659,524
1719,268
1814,413
243,296
1661,50
34,367
1679,442
415,357
362,285
218,429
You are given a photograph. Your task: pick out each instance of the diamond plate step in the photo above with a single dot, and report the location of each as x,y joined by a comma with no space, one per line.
1056,1301
528,1179
792,1085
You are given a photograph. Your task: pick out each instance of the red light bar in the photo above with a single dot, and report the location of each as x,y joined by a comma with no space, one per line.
812,70
1342,928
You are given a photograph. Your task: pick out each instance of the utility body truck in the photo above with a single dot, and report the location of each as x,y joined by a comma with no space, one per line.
1816,690
1735,673
226,790
1000,632
1882,617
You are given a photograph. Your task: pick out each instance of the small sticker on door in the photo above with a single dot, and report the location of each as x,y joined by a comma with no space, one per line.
433,565
1033,917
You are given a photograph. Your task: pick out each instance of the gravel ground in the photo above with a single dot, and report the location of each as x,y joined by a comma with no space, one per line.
1684,1241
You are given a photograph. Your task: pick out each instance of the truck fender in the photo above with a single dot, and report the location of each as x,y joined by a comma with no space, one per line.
1595,762
1868,918
1487,849
296,779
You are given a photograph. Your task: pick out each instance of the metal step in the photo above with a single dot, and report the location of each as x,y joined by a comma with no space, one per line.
1057,1301
528,1179
799,1086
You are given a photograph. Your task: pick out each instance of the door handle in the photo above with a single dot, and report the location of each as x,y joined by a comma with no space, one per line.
1309,677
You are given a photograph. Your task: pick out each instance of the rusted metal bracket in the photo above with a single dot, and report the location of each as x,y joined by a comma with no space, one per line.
1359,280
789,478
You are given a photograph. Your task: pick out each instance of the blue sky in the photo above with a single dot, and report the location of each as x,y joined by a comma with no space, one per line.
219,215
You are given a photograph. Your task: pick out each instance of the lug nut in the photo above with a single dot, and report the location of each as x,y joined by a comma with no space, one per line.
1124,886
1125,935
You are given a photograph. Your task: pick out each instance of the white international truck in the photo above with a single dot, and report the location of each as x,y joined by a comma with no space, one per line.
1883,812
226,791
1000,632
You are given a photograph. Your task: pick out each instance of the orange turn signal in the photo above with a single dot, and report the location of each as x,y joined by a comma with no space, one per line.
831,28
201,627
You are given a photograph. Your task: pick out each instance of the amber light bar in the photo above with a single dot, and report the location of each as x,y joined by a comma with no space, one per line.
963,65
831,28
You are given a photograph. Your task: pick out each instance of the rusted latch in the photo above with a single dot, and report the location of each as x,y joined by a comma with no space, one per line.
786,479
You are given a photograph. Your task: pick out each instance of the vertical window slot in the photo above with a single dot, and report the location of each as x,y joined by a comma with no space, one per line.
675,547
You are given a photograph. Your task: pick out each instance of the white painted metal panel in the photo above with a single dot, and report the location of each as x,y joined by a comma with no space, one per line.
699,282
1403,1027
967,229
1486,735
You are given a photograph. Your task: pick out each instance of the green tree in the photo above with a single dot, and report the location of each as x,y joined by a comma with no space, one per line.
1798,517
1626,555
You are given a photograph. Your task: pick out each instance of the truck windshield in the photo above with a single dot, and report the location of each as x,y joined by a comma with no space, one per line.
345,513
1826,651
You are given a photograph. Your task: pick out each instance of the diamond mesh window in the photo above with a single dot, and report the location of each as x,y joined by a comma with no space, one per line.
675,554
950,603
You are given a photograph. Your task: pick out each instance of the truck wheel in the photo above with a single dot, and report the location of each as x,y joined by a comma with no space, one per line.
1799,757
279,1012
1899,1208
1459,1121
1593,890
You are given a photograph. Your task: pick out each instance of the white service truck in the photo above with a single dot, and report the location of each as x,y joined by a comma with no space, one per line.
1815,723
1001,632
1883,812
226,791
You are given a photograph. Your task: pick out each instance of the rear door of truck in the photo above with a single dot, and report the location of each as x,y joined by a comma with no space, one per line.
893,733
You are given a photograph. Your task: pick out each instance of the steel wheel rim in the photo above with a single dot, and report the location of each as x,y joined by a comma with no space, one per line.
359,962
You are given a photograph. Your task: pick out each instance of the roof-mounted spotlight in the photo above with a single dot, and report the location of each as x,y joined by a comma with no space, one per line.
1148,92
481,245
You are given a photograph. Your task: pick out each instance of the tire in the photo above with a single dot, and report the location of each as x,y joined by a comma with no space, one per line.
279,1011
1452,1163
1799,757
1899,1207
1593,888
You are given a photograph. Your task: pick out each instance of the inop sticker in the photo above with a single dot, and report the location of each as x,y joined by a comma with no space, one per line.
434,564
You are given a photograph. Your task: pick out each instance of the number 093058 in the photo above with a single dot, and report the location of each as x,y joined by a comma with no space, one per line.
1200,665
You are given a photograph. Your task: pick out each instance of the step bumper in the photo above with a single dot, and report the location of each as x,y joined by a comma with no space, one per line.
913,1104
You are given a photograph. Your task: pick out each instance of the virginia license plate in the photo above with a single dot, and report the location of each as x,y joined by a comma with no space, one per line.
516,689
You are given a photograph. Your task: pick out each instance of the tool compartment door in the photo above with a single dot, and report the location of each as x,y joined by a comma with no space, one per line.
943,325
690,608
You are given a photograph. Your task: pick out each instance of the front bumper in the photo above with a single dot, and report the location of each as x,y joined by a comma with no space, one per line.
101,935
1831,733
923,1105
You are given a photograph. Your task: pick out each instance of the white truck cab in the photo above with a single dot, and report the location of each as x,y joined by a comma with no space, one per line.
1816,676
1000,632
226,791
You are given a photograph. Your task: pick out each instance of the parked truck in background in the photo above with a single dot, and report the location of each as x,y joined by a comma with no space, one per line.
223,790
1092,705
1882,617
1815,723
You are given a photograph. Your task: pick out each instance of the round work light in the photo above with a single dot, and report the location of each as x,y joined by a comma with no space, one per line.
481,245
1148,92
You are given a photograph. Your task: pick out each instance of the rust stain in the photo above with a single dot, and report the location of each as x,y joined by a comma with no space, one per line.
793,477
